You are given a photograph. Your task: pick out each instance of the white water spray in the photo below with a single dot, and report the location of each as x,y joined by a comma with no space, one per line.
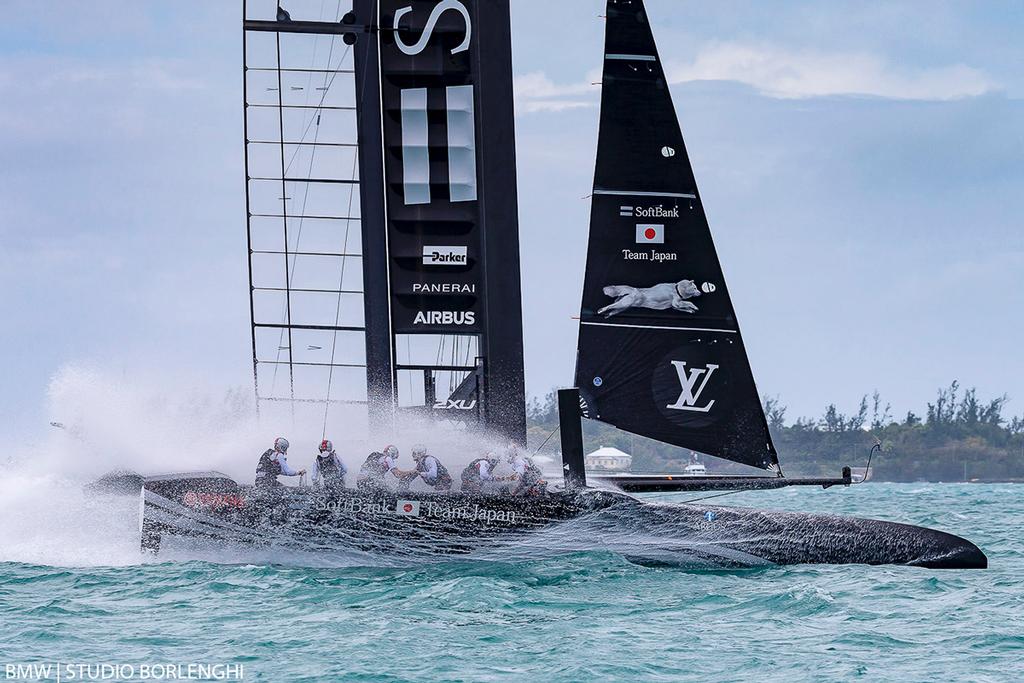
154,426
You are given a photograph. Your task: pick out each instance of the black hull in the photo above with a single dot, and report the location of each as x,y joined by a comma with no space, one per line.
211,510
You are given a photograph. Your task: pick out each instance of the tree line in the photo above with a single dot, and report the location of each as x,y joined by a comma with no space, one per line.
959,436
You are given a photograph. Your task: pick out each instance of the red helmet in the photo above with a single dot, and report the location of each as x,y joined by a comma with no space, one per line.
326,446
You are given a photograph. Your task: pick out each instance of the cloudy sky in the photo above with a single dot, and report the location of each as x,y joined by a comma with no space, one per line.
862,165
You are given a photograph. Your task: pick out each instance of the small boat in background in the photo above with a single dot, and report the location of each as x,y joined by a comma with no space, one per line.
859,475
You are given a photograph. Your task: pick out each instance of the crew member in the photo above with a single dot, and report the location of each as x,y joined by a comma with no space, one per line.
274,462
526,477
329,470
376,467
478,473
430,470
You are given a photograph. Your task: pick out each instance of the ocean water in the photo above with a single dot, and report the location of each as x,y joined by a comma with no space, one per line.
73,592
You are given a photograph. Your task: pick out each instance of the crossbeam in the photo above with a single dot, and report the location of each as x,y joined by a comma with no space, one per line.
651,483
325,328
307,27
439,368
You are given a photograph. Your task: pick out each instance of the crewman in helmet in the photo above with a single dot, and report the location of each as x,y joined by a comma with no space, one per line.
329,473
478,473
430,470
273,463
526,477
377,466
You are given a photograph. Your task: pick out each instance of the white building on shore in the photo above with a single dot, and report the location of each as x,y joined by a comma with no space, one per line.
608,459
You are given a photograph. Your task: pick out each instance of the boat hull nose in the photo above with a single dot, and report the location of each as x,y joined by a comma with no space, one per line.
959,554
800,538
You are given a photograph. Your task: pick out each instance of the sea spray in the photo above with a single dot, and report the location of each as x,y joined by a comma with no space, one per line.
51,520
103,422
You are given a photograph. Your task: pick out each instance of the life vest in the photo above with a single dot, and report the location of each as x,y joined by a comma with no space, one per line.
532,475
443,478
471,475
374,467
268,468
328,467
531,481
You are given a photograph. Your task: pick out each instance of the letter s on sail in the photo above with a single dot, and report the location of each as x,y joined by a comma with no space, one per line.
428,31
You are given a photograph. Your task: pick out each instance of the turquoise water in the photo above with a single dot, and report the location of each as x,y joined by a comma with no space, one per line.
585,616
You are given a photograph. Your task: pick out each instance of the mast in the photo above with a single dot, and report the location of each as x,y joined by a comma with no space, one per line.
380,373
505,399
660,351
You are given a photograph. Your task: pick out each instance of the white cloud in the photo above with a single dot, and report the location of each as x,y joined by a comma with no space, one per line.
784,73
777,72
536,92
78,97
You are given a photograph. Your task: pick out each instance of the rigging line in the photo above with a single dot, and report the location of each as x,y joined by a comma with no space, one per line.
455,378
316,138
309,83
341,286
284,212
440,350
326,89
408,354
315,115
456,352
312,158
469,343
553,432
337,310
437,361
455,359
305,198
716,495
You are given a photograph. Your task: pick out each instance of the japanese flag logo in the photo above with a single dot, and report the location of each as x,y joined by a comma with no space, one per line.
650,234
408,508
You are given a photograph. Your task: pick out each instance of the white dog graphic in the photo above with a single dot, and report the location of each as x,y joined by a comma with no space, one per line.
659,297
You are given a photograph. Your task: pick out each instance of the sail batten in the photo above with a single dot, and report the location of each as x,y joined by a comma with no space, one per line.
634,58
663,327
660,351
642,193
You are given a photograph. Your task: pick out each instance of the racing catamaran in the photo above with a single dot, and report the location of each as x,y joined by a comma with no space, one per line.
660,351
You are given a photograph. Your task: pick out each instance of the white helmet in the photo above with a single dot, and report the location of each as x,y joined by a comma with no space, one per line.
391,451
326,446
281,444
511,453
419,451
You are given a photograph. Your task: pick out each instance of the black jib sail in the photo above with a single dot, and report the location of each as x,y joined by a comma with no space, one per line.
660,352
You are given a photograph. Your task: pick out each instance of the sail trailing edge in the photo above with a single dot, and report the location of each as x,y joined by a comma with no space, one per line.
660,351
